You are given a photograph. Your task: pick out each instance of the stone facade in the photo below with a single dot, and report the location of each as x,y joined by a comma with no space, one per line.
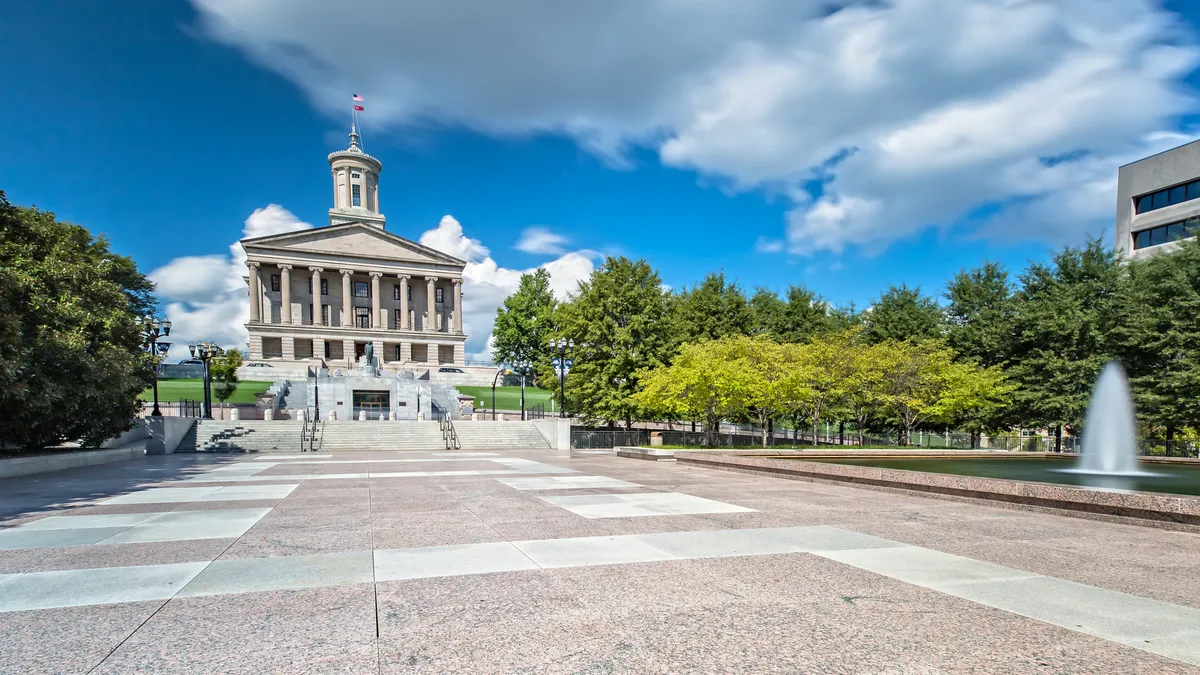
319,296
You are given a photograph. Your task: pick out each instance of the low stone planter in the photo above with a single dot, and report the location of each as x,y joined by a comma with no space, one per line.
59,461
1145,508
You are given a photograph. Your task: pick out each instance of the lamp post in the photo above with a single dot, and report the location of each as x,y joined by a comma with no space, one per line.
502,371
561,345
522,369
152,329
205,351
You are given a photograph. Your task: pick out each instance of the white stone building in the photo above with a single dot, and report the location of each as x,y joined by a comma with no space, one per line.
319,296
1158,201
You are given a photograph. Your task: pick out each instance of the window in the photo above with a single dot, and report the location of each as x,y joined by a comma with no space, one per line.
362,289
324,287
325,315
1157,236
356,195
326,346
275,282
1167,197
437,293
397,352
355,174
410,293
362,317
395,291
397,313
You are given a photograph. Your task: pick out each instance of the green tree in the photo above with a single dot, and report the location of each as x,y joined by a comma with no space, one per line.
712,309
1065,316
525,325
1158,342
979,313
616,323
223,371
866,390
824,369
805,316
902,313
71,363
706,381
765,370
766,313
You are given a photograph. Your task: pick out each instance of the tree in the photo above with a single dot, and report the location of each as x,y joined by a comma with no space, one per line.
866,387
902,313
1063,332
712,309
616,323
705,381
223,371
980,313
525,325
766,313
805,316
824,368
764,370
71,363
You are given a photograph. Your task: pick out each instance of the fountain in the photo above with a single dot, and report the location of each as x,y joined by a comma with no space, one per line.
1109,431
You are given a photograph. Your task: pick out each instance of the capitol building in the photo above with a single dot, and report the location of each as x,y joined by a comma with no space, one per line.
318,297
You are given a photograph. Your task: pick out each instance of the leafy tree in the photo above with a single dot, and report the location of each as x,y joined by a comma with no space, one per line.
712,309
223,371
1063,332
979,313
902,313
71,364
616,323
1159,342
766,369
705,381
525,325
825,367
866,389
766,313
805,316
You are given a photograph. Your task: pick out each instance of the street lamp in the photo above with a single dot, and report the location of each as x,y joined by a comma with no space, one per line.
522,369
502,371
205,351
152,329
561,345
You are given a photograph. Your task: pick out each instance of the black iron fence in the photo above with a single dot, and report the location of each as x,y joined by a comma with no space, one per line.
190,408
537,412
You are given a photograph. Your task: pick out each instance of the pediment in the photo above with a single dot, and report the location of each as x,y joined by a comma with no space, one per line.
356,240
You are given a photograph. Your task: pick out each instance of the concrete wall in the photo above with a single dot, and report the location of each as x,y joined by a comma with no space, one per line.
139,431
1165,169
166,433
24,466
556,431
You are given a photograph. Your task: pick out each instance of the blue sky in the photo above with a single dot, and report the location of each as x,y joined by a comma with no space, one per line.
166,125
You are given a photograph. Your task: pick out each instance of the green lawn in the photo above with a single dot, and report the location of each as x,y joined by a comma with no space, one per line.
173,390
509,398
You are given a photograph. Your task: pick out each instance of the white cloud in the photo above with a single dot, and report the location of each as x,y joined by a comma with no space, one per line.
206,296
486,284
540,240
912,113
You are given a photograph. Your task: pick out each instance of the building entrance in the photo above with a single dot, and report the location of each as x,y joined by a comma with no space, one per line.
374,403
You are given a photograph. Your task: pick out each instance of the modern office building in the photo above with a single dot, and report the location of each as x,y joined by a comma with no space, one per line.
318,297
1158,201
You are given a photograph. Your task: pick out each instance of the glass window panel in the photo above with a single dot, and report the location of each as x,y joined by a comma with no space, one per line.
1145,203
437,292
1175,231
324,287
1141,239
1160,199
275,282
1193,190
1191,227
1177,195
395,291
361,289
1158,236
356,194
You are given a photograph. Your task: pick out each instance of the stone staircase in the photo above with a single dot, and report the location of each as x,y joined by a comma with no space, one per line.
348,436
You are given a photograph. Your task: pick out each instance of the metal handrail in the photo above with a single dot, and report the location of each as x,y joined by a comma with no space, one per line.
446,424
303,432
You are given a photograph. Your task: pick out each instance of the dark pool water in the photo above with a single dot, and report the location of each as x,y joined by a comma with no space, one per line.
1171,478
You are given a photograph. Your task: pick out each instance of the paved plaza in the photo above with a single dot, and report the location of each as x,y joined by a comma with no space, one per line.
557,562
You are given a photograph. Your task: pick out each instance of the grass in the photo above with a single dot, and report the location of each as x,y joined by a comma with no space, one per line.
509,398
173,390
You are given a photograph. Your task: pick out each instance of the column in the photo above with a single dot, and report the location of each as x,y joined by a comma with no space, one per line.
375,318
289,347
405,352
255,346
347,310
460,354
457,307
348,352
255,296
431,305
285,294
319,348
404,323
316,299
380,357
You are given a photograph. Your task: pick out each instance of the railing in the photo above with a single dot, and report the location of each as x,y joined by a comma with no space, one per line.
537,412
446,424
189,407
312,435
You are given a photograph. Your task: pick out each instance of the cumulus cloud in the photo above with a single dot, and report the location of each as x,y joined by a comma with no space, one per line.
910,113
486,284
540,240
206,296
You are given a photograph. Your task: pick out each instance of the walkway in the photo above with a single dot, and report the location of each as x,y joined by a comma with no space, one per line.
553,562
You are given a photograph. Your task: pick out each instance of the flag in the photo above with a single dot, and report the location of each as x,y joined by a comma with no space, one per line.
356,97
359,108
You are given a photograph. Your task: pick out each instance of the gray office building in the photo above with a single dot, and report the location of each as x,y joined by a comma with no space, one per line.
1158,201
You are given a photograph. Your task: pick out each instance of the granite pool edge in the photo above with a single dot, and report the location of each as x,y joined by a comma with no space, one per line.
1144,508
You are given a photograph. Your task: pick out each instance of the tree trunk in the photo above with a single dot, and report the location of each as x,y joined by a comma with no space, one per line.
763,421
815,422
1058,438
842,433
